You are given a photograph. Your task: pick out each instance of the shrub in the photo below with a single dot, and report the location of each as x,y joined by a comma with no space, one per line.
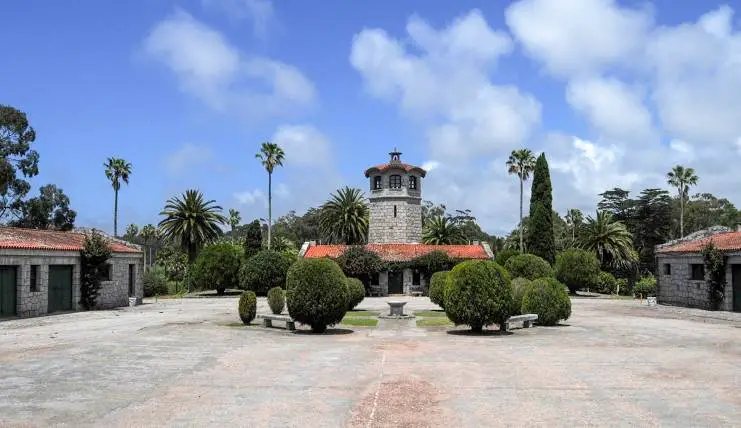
623,287
577,269
434,261
519,286
263,271
247,306
478,293
547,297
437,288
155,281
316,293
358,262
93,257
646,287
528,266
276,300
504,255
606,283
216,268
253,239
355,292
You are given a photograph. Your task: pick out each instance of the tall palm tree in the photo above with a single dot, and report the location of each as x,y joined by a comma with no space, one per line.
609,239
682,178
117,170
522,163
574,219
149,234
271,155
234,218
191,221
344,217
442,230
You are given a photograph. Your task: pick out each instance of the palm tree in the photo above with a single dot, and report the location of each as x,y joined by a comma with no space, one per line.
682,178
574,219
344,217
271,155
234,218
117,170
442,231
132,231
149,234
522,163
609,239
191,221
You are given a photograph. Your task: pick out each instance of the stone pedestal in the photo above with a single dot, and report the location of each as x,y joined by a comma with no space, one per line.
396,309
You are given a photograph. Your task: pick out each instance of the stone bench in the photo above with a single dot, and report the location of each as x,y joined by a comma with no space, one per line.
416,294
375,292
267,320
526,320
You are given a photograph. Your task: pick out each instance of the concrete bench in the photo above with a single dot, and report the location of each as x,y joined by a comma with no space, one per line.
267,320
526,320
416,294
375,292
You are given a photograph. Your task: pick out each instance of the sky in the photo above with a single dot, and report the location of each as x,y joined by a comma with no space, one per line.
614,92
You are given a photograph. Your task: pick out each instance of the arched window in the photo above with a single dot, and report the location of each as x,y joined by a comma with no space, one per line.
376,182
395,182
412,182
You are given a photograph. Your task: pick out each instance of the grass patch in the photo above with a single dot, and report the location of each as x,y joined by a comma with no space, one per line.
360,321
430,314
434,322
357,314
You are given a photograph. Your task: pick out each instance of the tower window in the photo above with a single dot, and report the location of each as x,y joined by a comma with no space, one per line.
412,182
376,182
395,182
394,211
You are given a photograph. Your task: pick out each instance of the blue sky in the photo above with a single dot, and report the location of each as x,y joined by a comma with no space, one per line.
615,93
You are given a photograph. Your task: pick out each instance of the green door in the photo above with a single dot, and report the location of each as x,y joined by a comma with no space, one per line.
60,288
396,282
7,291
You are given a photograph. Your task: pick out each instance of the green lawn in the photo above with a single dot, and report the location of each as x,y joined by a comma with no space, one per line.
357,314
430,314
360,321
434,322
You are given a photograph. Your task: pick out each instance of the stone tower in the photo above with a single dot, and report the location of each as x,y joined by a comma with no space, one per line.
395,202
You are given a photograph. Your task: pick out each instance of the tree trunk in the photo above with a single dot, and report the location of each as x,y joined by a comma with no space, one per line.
115,213
522,246
681,213
270,206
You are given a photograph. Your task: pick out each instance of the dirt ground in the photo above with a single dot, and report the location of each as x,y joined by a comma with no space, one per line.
187,362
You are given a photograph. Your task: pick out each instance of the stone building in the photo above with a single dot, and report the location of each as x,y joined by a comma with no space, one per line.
395,229
40,272
681,280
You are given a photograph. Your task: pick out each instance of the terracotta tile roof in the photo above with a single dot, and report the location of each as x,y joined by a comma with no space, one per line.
727,242
401,252
33,239
384,166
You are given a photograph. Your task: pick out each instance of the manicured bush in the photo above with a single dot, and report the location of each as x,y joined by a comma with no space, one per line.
263,271
577,269
276,300
478,293
155,281
437,288
316,293
606,283
646,287
528,266
247,306
355,292
504,255
216,268
519,286
547,297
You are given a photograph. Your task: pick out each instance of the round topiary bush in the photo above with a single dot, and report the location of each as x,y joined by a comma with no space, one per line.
276,300
355,292
478,293
155,281
504,255
247,306
519,286
437,288
216,268
548,298
577,269
645,287
528,266
316,293
263,271
606,283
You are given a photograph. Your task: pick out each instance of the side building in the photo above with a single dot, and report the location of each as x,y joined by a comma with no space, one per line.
40,272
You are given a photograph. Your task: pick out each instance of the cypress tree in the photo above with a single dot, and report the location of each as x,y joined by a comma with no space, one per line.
540,238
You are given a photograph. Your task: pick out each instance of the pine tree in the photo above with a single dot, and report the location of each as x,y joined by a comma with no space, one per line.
253,240
540,238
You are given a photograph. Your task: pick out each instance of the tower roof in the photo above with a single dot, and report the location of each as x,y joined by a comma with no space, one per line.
395,163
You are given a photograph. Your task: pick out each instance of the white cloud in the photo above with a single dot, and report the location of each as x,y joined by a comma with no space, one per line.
250,197
430,165
261,12
187,157
303,145
216,72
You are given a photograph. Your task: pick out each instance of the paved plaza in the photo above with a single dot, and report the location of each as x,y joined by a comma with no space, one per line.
186,362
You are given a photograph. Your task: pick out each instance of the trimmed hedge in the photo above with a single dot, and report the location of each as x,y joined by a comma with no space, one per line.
276,300
216,268
247,306
645,287
264,270
606,283
519,287
155,281
437,288
547,297
355,292
478,293
316,293
504,255
528,266
577,269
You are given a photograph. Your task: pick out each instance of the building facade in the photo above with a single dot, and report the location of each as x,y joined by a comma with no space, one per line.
395,229
40,273
681,279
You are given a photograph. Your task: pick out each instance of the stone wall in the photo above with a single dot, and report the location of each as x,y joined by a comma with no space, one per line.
406,227
115,293
680,290
408,279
